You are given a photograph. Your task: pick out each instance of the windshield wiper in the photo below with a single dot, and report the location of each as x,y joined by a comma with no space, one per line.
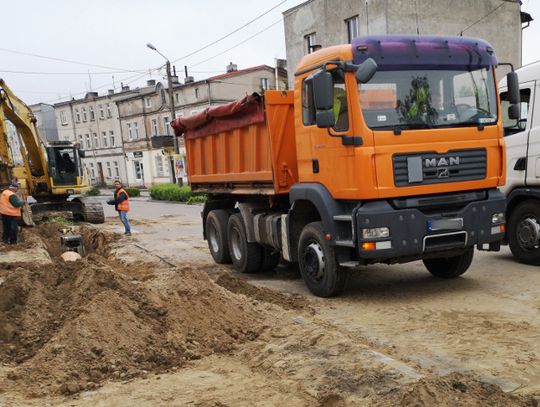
410,126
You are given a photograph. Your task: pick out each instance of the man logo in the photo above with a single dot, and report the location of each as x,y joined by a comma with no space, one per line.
441,162
443,172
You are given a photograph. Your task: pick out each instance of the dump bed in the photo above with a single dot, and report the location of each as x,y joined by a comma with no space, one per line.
244,147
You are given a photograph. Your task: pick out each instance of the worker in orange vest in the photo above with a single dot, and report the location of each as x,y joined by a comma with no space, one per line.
121,204
10,208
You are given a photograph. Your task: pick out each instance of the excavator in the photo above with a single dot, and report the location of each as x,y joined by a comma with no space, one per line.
52,174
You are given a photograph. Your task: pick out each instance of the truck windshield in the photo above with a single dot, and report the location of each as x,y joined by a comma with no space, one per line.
417,99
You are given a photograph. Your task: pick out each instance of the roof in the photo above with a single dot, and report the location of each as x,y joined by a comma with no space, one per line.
292,9
240,72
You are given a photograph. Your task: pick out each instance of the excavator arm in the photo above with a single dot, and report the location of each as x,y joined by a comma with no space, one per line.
18,113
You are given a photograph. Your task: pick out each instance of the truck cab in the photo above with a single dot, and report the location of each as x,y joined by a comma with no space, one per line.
522,138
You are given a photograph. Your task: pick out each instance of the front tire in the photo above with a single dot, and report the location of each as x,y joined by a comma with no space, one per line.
524,232
246,257
450,267
318,266
216,234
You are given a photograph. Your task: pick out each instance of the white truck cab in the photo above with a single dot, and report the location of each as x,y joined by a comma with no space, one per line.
522,189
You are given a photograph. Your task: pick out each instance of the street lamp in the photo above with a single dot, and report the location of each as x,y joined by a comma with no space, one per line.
171,97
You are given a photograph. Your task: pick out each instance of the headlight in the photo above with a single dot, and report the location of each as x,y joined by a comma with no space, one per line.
375,233
497,218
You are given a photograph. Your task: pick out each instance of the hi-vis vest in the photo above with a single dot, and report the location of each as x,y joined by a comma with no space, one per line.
124,205
5,206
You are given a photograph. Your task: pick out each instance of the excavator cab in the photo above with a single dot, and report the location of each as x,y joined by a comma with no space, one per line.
64,164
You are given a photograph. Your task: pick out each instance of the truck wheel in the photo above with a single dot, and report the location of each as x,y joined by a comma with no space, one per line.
524,232
318,266
216,234
246,257
450,267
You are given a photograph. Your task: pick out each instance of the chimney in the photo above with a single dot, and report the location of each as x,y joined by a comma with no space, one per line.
151,82
125,88
110,92
189,79
92,94
232,67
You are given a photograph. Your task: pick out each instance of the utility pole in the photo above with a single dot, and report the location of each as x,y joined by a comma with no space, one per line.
172,109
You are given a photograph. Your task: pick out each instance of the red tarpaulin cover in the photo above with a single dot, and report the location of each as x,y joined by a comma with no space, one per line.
212,120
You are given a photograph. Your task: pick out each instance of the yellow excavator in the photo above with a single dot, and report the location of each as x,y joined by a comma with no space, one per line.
50,173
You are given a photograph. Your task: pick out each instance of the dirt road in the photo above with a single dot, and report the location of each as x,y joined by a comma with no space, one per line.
396,337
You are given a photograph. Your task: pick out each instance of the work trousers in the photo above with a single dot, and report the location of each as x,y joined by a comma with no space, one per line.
124,219
11,228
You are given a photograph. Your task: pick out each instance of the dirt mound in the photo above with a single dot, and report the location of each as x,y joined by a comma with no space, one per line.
454,390
239,286
68,327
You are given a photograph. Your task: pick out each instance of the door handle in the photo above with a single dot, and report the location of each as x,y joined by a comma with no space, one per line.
521,164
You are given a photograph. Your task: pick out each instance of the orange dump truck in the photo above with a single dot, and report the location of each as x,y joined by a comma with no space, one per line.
321,177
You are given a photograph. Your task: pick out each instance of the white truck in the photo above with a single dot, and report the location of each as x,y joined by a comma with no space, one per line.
522,137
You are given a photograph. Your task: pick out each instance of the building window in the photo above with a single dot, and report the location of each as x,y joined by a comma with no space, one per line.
77,116
92,114
96,140
176,97
159,165
148,103
101,112
92,171
104,137
163,97
166,125
136,130
154,127
84,115
111,138
197,93
310,42
88,141
81,140
116,169
352,28
265,83
63,118
109,170
109,112
130,132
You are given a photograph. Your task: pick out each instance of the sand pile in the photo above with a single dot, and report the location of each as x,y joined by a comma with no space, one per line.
454,390
68,327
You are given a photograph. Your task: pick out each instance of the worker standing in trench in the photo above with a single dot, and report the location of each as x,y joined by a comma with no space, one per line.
121,204
10,208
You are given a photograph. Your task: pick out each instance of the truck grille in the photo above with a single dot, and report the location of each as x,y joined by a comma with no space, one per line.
433,168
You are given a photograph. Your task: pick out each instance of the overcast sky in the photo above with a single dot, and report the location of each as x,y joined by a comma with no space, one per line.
113,33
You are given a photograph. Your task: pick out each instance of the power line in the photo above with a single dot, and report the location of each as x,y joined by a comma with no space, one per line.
64,73
237,45
229,34
65,60
480,19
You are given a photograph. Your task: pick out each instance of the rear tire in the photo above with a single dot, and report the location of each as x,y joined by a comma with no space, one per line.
523,226
317,261
216,235
450,267
246,257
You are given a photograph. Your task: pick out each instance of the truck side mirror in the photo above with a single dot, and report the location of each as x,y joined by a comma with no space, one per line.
512,82
366,70
513,112
323,98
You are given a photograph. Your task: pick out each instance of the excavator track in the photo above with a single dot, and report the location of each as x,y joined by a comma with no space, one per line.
91,210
